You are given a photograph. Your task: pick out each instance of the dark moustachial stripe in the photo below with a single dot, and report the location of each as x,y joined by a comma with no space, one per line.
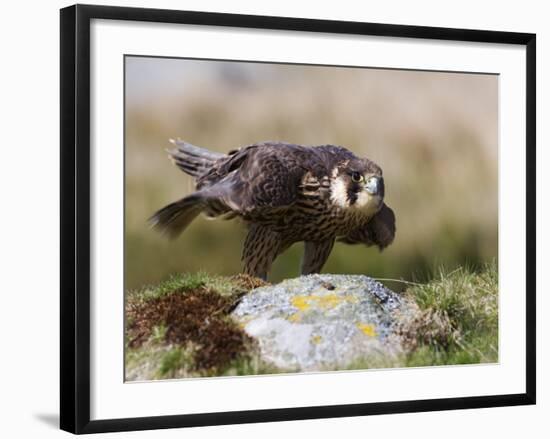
353,190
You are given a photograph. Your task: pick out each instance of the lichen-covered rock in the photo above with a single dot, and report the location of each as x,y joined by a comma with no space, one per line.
322,322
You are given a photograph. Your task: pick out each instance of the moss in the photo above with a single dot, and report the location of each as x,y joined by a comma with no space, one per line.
188,314
194,315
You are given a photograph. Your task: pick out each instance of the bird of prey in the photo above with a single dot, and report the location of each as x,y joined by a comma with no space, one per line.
284,193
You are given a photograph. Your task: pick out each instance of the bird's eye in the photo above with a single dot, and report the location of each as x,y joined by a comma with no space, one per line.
356,177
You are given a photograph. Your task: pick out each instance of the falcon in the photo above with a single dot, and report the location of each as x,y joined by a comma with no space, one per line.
284,193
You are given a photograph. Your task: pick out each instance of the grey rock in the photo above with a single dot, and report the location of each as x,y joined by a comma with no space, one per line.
323,321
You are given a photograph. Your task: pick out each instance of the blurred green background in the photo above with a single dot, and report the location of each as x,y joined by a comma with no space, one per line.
434,134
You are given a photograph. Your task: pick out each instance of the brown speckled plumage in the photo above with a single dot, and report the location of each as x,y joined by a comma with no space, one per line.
284,193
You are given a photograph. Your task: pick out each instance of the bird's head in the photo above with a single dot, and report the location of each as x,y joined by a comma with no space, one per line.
358,185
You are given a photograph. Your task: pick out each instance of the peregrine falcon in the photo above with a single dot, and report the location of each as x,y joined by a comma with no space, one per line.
284,193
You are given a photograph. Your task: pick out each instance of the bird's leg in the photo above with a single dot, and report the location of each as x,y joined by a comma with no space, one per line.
261,247
315,255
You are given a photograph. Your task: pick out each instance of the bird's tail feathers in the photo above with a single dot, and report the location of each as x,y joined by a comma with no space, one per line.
172,219
191,159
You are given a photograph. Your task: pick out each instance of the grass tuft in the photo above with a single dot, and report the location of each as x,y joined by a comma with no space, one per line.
180,281
458,318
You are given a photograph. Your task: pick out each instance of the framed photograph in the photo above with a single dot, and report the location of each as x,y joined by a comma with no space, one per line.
275,218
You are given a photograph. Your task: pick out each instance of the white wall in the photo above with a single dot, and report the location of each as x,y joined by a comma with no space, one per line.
29,198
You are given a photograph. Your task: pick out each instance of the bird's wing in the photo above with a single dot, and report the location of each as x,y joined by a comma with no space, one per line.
258,178
379,231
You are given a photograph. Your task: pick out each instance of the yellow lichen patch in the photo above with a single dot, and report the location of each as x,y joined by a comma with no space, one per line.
316,339
367,329
326,301
300,302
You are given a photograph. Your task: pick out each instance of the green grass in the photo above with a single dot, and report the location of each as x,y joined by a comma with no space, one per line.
463,302
223,285
455,322
180,281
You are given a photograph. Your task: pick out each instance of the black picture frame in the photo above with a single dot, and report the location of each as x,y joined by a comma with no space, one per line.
75,217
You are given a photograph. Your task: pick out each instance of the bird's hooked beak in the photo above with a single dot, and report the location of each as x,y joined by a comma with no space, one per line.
373,185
